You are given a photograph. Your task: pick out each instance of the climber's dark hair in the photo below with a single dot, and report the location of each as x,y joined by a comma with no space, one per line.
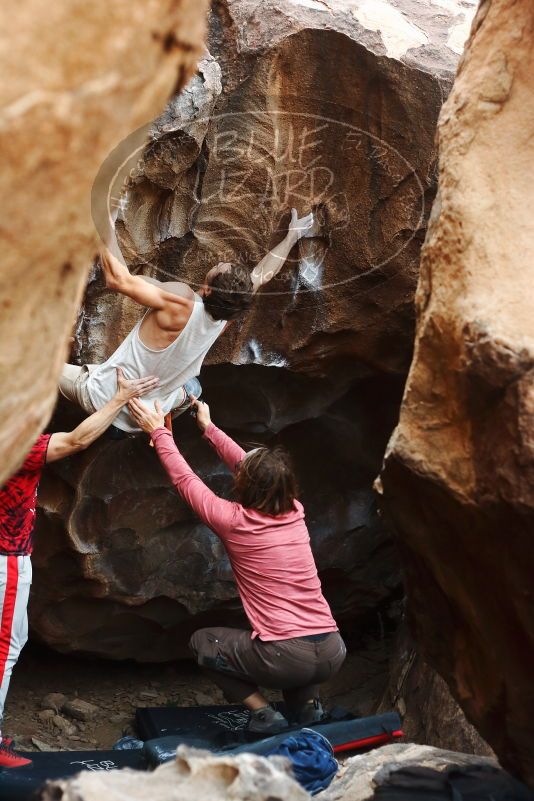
265,481
231,293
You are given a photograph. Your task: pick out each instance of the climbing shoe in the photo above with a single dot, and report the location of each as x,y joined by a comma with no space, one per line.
266,721
10,758
309,713
191,389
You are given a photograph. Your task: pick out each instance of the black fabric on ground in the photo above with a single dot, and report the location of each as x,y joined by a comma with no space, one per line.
210,727
197,721
470,783
152,722
20,784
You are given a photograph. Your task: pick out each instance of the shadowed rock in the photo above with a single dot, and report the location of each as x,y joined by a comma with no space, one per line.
124,569
459,475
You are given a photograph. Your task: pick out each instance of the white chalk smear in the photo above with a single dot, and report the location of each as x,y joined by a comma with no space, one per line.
251,353
310,272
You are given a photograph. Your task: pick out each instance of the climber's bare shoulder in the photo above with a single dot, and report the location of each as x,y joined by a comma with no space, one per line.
162,325
177,288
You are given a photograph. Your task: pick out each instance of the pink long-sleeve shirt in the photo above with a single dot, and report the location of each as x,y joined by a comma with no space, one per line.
270,555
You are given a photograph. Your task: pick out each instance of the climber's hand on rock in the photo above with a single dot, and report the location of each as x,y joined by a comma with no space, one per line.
300,226
147,419
135,387
202,412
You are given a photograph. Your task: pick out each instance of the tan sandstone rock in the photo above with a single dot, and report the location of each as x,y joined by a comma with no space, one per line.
194,775
76,79
459,473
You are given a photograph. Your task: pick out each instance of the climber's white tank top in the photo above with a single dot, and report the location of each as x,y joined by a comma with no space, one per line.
174,365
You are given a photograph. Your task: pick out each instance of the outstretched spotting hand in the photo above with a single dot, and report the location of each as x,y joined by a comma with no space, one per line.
301,225
135,387
202,412
147,419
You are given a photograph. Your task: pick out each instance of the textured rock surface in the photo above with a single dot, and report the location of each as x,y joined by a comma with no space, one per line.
195,775
430,715
376,776
77,78
123,569
459,476
314,107
301,106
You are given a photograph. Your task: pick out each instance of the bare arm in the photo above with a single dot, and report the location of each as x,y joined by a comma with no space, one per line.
272,263
65,443
146,291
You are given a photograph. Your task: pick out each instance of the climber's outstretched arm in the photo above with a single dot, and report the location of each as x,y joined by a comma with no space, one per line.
148,293
272,263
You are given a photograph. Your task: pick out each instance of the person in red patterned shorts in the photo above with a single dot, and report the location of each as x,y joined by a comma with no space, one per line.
18,500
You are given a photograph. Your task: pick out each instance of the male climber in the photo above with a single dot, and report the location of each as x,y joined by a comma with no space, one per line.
173,337
17,518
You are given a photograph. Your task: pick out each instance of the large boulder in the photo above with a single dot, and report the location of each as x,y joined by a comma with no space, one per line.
330,108
124,569
301,106
459,473
77,78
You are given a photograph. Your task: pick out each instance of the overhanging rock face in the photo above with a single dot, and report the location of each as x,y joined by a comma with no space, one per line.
305,106
77,78
459,474
123,568
312,108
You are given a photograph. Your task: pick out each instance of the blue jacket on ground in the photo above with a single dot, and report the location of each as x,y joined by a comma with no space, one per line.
312,759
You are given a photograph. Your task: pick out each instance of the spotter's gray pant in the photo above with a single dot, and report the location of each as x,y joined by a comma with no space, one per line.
239,665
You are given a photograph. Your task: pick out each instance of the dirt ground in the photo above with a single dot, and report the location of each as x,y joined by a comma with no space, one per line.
118,688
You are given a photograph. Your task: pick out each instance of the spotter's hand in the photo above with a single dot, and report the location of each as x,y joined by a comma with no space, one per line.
202,412
147,419
134,387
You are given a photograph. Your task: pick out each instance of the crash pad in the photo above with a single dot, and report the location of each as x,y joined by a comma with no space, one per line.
19,784
223,730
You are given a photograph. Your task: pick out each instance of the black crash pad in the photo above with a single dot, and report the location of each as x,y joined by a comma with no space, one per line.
201,722
221,729
455,783
19,784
